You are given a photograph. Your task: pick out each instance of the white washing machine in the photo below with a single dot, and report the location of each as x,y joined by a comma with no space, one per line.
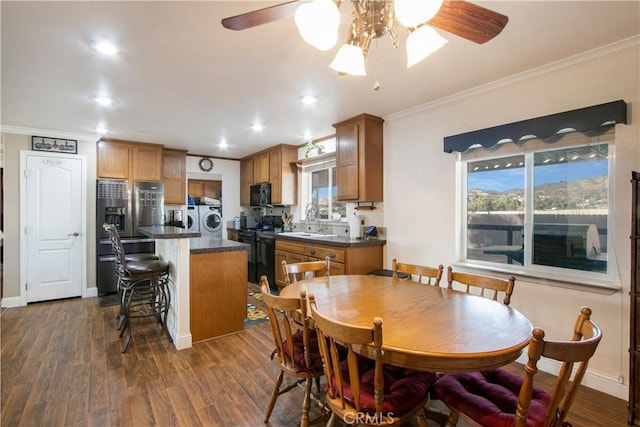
193,218
210,220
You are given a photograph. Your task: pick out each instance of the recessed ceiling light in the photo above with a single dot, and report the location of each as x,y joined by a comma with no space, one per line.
105,47
307,135
309,99
257,127
103,100
222,143
101,130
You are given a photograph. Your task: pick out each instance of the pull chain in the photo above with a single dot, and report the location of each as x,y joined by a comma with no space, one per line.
376,83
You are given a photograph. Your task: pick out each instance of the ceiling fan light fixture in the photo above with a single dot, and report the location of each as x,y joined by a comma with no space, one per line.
349,60
412,13
421,43
318,23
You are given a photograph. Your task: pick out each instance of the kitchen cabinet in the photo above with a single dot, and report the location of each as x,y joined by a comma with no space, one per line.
289,252
261,168
218,296
359,159
199,188
283,177
134,161
174,176
275,167
343,260
246,180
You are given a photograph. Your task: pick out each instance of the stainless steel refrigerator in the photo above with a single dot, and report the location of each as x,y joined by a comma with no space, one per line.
127,205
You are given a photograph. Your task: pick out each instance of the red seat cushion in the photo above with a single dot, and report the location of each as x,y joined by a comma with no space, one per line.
404,388
298,352
490,397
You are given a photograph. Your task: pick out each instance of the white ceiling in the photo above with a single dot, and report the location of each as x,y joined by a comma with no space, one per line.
184,81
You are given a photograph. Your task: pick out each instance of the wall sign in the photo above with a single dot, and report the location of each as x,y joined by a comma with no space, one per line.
41,143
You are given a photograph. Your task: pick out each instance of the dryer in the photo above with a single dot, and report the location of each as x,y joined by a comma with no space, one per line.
193,218
210,221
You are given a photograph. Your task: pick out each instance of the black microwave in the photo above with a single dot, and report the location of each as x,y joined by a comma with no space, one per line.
260,195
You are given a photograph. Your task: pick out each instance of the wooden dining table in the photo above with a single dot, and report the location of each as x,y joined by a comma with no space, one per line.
424,327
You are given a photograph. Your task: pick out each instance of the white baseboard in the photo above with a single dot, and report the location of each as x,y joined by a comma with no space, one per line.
183,341
12,302
90,292
597,381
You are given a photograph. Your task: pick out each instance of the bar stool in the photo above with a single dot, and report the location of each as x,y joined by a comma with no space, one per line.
142,286
128,258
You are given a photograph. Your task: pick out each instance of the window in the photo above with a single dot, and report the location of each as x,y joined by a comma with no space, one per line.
538,210
320,180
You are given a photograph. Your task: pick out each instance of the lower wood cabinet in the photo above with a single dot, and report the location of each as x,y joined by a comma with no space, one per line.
218,293
343,260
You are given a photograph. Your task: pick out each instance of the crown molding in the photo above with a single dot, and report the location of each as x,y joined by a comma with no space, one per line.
50,133
618,48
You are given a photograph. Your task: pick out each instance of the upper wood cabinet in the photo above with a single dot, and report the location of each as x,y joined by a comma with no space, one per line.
359,159
113,160
261,168
275,167
199,188
246,180
283,176
174,176
129,160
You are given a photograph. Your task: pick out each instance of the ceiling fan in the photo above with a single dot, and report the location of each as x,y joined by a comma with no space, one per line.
372,19
464,19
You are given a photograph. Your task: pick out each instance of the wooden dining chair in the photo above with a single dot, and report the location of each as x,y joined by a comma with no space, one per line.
498,397
366,391
304,270
418,273
490,285
296,349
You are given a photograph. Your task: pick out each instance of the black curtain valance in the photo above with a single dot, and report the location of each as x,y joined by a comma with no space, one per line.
597,117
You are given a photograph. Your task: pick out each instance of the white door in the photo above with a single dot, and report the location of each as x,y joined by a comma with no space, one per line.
54,223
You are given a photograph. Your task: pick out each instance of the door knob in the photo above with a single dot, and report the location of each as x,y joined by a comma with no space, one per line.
76,234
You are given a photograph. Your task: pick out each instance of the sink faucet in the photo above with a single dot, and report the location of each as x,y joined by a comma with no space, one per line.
323,229
312,213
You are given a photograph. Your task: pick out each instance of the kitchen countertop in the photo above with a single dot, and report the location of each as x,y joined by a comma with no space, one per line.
339,241
208,244
168,232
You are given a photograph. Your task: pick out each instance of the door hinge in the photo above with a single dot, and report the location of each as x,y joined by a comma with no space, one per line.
26,286
26,173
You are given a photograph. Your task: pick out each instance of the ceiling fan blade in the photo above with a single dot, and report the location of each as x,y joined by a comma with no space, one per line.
469,21
261,16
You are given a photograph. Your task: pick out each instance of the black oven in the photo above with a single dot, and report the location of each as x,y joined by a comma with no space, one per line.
260,195
265,257
248,236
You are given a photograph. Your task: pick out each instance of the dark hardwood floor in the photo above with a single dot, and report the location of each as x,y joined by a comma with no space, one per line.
61,365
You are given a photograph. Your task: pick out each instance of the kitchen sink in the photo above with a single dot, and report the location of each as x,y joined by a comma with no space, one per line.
305,234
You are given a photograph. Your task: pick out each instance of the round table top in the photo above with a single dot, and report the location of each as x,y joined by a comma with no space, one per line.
425,327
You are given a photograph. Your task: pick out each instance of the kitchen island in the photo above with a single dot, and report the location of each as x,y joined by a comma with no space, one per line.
218,282
176,246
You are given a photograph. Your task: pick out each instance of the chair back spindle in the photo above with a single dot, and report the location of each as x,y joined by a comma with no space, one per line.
418,273
304,270
489,287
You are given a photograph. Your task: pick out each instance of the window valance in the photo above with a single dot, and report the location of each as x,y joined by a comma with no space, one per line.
597,118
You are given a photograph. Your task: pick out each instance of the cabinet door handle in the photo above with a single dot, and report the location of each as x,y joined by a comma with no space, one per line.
332,255
312,252
74,234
